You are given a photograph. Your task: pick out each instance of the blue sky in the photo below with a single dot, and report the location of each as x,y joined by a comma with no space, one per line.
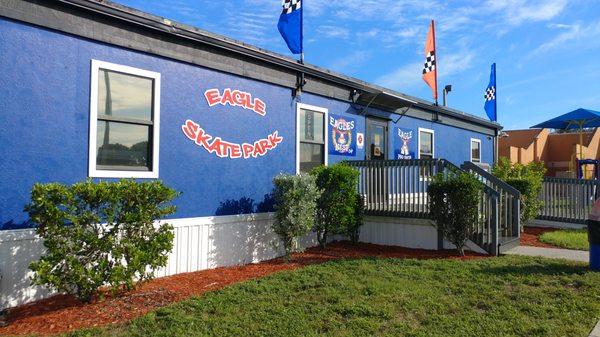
547,51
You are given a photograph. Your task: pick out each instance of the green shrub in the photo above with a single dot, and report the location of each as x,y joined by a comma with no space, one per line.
295,207
353,227
454,206
530,201
336,207
100,234
528,180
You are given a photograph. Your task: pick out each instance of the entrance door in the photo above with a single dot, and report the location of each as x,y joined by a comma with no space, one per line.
377,139
377,190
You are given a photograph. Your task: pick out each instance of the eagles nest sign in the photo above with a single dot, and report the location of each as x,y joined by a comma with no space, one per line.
342,132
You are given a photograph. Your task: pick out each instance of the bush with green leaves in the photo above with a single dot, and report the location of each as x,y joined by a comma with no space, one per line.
295,207
353,227
336,207
454,206
100,234
528,180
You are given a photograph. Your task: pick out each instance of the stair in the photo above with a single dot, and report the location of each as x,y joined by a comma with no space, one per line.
508,242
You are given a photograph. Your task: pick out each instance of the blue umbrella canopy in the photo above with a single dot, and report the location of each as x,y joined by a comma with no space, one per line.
576,119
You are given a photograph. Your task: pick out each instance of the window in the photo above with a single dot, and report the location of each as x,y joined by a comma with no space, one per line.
124,122
475,150
426,143
311,148
426,151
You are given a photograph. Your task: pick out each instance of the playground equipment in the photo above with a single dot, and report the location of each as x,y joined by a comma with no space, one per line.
582,163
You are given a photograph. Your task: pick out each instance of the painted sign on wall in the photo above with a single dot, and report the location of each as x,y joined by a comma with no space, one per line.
405,147
342,132
221,147
235,98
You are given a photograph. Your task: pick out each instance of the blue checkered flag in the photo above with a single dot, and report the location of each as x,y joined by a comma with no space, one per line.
490,105
290,25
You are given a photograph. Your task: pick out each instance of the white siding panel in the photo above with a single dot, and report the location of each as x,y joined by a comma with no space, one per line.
199,243
203,243
411,233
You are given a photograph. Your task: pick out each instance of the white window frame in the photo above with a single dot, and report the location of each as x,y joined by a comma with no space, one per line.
325,111
476,140
432,132
92,170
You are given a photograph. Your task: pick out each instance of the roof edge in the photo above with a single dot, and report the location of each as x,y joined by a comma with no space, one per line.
165,25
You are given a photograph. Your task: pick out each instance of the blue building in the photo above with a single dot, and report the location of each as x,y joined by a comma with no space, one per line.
90,88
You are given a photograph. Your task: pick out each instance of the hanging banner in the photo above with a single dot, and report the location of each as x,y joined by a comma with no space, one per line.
342,132
404,144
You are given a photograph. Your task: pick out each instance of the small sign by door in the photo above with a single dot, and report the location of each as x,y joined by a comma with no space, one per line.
360,140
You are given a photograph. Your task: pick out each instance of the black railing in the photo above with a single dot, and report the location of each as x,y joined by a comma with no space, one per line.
399,188
568,200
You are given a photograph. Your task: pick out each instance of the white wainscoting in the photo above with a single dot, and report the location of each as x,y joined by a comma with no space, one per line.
200,243
17,249
391,231
204,243
406,232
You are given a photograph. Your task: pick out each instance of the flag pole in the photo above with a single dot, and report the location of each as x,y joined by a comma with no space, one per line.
301,80
436,61
496,155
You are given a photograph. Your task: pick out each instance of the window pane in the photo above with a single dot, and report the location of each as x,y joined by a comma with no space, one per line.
124,95
311,126
311,155
121,144
426,141
476,151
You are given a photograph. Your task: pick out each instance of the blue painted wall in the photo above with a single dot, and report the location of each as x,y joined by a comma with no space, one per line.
44,102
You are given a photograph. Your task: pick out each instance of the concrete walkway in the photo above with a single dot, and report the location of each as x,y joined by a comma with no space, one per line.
555,253
596,331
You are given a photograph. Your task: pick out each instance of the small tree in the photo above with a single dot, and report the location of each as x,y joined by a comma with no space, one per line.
454,201
336,207
295,206
528,180
100,234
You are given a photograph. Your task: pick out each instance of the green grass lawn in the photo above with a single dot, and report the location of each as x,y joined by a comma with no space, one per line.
567,238
505,296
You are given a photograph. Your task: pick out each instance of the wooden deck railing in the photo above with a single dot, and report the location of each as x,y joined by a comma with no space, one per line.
399,188
508,203
568,200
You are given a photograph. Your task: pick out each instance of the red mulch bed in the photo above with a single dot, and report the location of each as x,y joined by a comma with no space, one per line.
531,237
64,313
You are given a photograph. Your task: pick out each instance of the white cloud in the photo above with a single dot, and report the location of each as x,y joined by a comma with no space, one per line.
410,75
575,33
517,12
407,32
333,31
455,63
368,34
350,61
406,76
